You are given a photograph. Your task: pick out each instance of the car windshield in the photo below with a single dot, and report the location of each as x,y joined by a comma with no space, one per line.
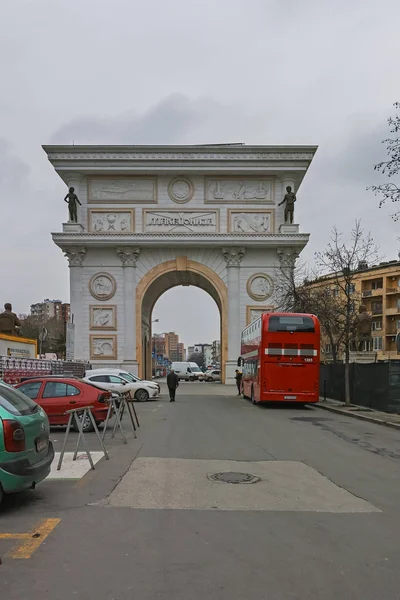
15,402
129,377
196,369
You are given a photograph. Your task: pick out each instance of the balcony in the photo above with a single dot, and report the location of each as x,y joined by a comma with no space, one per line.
394,310
372,293
393,290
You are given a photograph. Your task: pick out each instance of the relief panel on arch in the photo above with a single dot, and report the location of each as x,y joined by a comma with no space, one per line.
238,190
180,221
111,221
122,190
255,221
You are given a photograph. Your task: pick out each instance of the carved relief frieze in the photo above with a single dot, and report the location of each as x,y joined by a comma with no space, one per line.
102,286
260,287
180,190
122,190
103,317
251,221
111,221
238,190
103,347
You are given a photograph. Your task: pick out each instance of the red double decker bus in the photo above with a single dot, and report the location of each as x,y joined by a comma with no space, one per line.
280,355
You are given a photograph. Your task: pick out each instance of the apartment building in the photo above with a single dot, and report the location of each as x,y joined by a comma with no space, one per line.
49,309
216,352
378,288
167,345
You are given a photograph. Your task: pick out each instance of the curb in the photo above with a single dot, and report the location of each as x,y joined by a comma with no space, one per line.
375,420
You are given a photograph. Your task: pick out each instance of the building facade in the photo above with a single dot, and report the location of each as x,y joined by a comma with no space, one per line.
378,289
49,309
156,217
216,352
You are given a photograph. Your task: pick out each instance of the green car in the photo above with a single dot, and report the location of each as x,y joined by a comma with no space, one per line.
26,452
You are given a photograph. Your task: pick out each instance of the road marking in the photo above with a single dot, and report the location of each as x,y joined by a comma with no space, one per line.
73,469
32,540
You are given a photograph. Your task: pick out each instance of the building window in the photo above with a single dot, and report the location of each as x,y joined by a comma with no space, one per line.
398,324
328,348
376,308
336,292
377,343
377,285
377,325
350,288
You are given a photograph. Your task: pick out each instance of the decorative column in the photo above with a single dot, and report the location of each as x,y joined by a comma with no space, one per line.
129,257
76,256
233,257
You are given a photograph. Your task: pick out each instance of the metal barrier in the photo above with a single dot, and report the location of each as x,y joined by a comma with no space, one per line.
79,416
117,405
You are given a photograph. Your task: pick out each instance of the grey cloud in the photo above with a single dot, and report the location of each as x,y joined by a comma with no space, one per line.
176,119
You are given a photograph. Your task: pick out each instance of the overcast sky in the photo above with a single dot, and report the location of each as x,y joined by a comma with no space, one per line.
188,71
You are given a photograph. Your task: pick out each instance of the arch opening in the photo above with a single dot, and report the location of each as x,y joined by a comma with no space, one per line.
162,278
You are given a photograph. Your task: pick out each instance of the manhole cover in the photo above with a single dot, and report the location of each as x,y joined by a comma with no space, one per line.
231,477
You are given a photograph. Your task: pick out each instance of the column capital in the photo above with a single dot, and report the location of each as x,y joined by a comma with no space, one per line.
233,256
287,256
75,255
129,256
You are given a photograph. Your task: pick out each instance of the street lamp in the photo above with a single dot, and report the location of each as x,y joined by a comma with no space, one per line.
154,360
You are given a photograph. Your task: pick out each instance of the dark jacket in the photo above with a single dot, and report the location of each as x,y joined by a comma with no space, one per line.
172,381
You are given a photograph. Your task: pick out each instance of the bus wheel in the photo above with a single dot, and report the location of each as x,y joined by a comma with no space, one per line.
253,400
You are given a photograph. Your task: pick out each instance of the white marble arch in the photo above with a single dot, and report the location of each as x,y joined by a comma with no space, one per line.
217,225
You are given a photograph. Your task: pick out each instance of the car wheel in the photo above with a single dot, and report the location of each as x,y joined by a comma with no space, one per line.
87,425
192,379
210,379
1,494
142,395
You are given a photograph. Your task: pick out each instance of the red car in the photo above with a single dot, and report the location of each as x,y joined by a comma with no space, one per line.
56,395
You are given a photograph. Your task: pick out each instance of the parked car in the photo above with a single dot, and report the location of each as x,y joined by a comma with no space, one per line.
140,390
26,452
188,371
56,395
124,374
213,375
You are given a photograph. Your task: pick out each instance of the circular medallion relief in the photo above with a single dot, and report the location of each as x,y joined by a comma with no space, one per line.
260,286
181,190
102,286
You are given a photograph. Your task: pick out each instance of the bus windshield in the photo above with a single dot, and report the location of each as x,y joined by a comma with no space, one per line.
292,323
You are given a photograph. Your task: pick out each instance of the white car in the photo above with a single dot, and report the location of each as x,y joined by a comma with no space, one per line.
141,390
124,374
212,375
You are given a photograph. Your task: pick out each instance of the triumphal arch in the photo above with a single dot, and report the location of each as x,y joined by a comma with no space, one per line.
155,217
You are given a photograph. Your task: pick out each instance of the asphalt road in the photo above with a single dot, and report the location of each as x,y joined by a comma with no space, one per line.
321,522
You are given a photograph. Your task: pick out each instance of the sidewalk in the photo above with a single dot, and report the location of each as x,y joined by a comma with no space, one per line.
360,412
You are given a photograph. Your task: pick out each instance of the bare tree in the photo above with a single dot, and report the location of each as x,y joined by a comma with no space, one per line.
297,289
342,261
390,167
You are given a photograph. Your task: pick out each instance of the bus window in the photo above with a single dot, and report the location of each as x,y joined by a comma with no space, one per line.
283,323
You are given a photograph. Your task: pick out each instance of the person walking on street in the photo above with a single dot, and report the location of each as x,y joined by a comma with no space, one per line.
172,383
238,378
